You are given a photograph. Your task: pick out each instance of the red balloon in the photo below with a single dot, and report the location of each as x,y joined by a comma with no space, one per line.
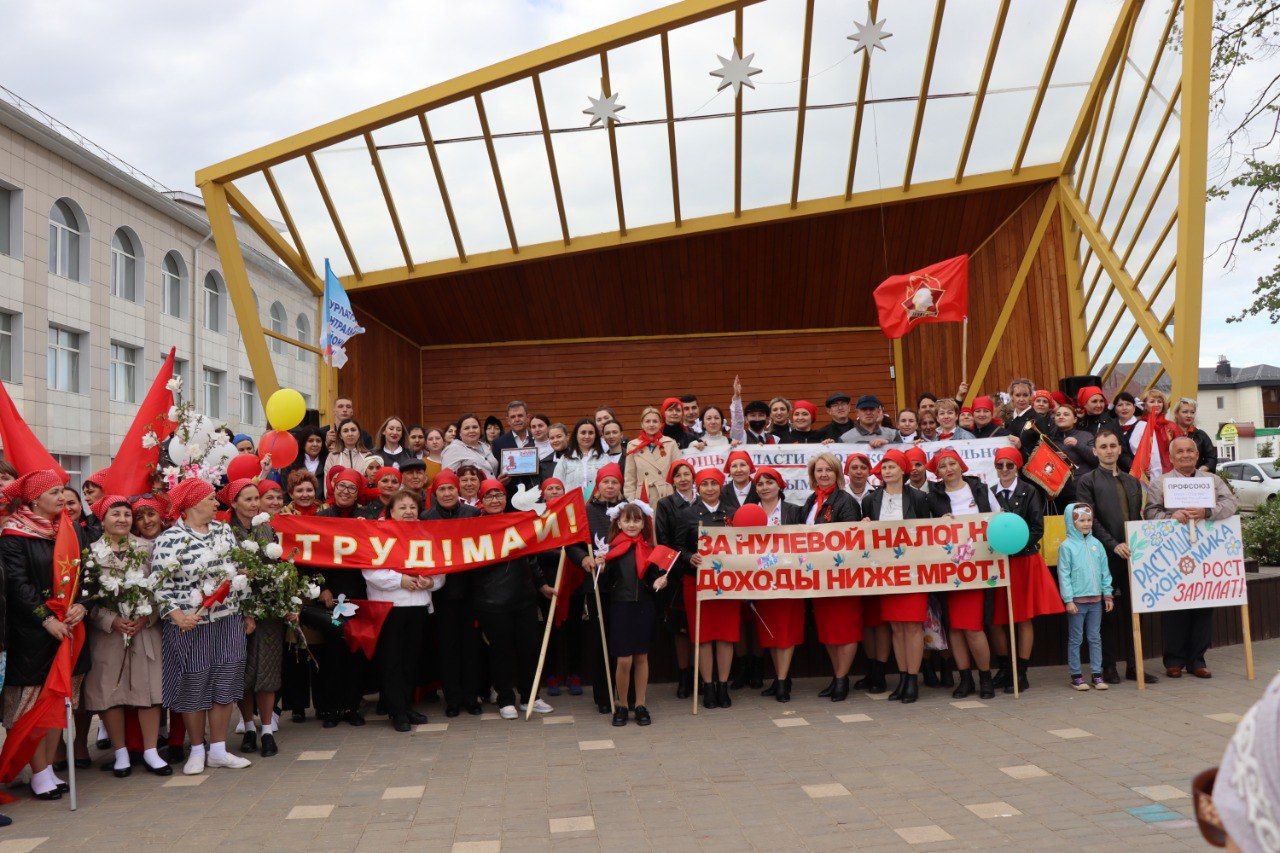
282,446
245,465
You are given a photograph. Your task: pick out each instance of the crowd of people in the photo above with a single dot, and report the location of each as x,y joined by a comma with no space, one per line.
167,695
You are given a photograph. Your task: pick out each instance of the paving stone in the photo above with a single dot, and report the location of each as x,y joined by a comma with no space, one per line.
317,755
1070,734
309,812
1024,771
923,834
966,704
989,811
558,720
790,722
431,728
588,745
1161,792
185,781
21,845
585,823
1230,719
831,789
407,792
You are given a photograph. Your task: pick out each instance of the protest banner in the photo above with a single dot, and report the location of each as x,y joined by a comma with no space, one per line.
792,460
432,547
1177,566
852,558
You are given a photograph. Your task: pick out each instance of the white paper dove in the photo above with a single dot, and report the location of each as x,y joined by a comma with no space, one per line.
528,499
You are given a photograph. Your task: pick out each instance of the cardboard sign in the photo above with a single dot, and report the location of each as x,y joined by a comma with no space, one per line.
1171,570
519,462
857,558
1188,492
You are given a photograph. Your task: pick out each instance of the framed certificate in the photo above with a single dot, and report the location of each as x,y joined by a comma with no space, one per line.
519,462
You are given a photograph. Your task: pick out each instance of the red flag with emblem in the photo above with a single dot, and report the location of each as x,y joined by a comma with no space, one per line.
938,293
130,472
1047,469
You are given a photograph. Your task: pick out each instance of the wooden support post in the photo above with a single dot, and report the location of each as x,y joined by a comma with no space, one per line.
604,641
697,645
546,639
1248,642
1137,648
1013,633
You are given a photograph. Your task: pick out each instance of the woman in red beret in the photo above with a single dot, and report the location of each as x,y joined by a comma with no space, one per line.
779,622
340,678
876,636
802,418
672,517
387,481
984,422
740,489
672,411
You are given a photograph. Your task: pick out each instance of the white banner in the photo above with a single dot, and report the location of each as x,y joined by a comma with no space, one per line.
1172,567
792,460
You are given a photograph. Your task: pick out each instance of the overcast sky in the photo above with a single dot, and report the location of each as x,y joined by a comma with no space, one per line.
171,87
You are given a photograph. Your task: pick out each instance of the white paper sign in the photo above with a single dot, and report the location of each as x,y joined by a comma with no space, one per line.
1169,570
1188,492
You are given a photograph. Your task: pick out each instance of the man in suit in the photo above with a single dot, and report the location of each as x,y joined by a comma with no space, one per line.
517,436
1116,497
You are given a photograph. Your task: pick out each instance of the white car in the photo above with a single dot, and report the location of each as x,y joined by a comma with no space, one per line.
1256,481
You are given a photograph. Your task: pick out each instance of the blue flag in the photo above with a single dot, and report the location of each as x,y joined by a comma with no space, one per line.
339,324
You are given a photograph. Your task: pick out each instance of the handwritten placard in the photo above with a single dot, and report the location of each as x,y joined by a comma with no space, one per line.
1169,569
1188,492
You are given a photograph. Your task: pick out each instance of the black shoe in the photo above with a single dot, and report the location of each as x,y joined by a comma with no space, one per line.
771,690
1002,681
605,709
353,718
724,700
1024,683
642,716
175,754
59,766
1110,675
249,743
269,747
55,794
401,724
739,670
861,684
986,690
896,693
162,770
784,690
840,692
416,718
877,685
755,668
108,765
826,691
929,673
1131,674
965,688
620,716
84,763
708,691
475,710
946,675
299,716
452,711
910,689
123,772
684,685
103,743
5,820
329,721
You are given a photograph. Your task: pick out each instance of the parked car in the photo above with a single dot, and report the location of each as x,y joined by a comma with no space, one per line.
1255,480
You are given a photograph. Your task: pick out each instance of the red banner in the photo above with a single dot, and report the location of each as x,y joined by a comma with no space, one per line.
432,547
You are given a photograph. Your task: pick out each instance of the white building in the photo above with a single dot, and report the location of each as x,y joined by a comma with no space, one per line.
102,270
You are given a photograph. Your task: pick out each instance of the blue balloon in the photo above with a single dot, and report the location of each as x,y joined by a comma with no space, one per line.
1007,533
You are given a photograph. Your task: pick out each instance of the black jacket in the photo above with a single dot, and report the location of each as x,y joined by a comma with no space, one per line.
1028,502
28,578
781,433
807,436
671,519
940,504
1107,422
697,516
621,583
393,460
1097,488
1024,427
281,475
372,510
598,521
915,503
728,495
841,506
991,430
833,431
349,582
547,466
458,585
508,586
1208,452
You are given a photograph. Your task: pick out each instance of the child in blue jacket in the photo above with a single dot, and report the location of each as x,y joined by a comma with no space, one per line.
1084,579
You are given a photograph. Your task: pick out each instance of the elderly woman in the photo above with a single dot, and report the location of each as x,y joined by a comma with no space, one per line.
339,680
303,489
126,672
468,448
204,649
34,635
781,620
649,458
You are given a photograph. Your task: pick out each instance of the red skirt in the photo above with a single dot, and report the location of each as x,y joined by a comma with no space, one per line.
779,622
720,616
839,619
905,607
964,609
1034,592
871,614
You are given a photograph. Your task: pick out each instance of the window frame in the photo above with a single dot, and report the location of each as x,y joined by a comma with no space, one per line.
302,330
68,242
219,292
167,280
12,336
219,388
10,220
135,273
279,325
248,398
128,360
76,369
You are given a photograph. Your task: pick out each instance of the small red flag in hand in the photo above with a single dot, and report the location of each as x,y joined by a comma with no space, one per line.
663,557
218,596
1047,469
939,293
1142,458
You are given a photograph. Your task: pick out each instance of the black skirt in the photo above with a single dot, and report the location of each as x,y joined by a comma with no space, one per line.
630,627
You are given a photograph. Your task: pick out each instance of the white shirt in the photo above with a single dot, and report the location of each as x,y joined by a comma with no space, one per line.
742,493
962,502
313,465
891,506
866,489
711,508
384,585
775,514
688,497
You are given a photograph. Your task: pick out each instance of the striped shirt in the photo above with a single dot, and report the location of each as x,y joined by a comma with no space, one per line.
192,562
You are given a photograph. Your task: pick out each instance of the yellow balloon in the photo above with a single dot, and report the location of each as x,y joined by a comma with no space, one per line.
286,409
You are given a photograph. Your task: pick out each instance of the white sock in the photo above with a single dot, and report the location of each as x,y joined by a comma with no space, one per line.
270,728
197,749
275,721
153,759
44,781
218,750
243,726
122,758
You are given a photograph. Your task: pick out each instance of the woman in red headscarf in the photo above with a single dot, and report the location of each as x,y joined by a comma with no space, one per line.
339,680
649,457
839,618
672,411
740,489
672,516
954,494
34,636
905,612
387,481
802,418
876,636
1031,586
779,622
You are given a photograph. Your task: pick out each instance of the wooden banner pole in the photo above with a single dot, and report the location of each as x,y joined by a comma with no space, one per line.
964,352
604,642
697,647
1248,642
1138,656
1013,635
546,638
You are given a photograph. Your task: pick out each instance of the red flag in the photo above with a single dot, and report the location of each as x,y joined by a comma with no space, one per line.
1142,458
49,711
1047,469
21,447
361,630
663,557
218,596
570,581
130,471
939,293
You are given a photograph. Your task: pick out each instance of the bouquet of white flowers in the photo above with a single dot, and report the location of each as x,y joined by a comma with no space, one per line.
199,446
119,580
275,588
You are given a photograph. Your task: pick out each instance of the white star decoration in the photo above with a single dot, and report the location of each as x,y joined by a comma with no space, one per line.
735,71
604,109
870,35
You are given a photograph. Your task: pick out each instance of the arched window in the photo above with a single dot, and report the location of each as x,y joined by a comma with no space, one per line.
67,238
173,285
279,322
304,335
126,266
214,310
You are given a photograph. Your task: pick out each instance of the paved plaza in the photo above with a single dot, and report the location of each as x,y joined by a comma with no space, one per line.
1055,770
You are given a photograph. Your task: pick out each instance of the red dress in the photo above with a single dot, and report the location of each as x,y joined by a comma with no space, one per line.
905,607
720,616
964,609
839,619
1033,589
779,622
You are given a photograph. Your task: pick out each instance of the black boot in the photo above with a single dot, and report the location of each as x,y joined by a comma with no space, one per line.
965,688
684,684
826,691
723,699
897,691
739,669
910,689
986,690
771,690
865,681
946,674
755,678
1023,682
784,690
1002,678
708,690
840,691
877,684
929,672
